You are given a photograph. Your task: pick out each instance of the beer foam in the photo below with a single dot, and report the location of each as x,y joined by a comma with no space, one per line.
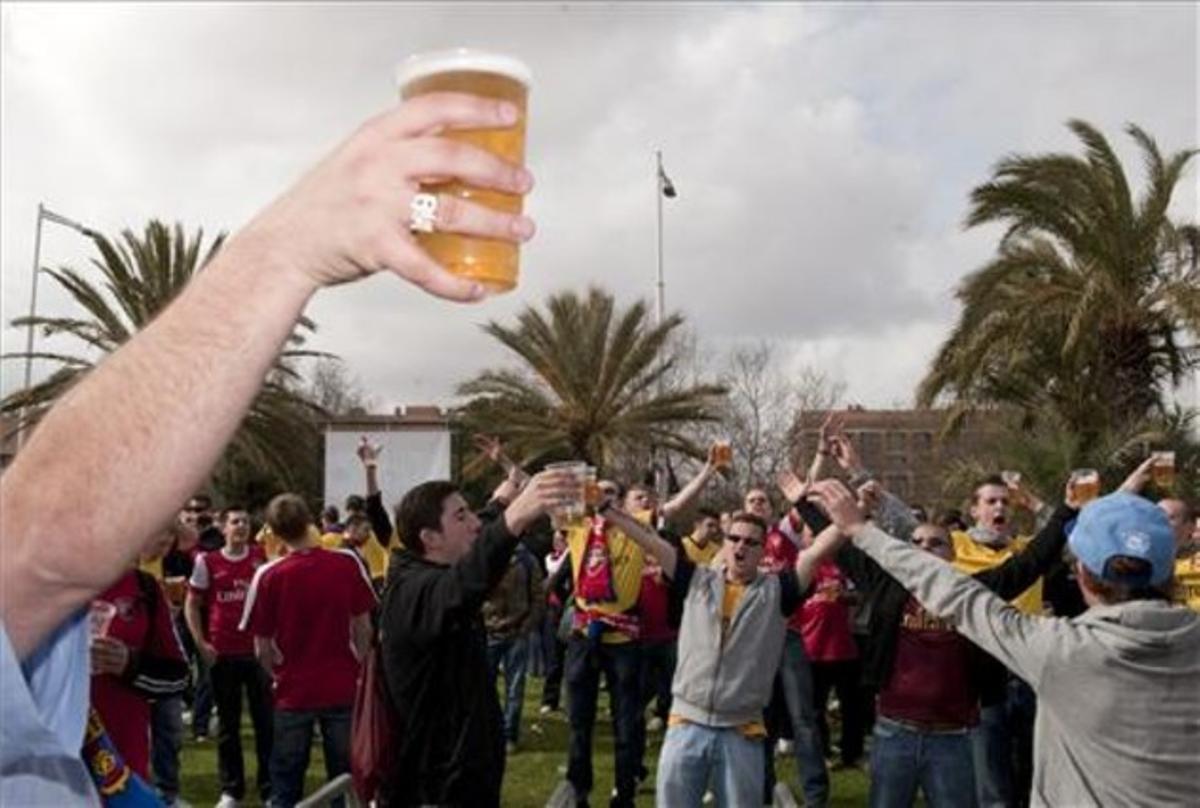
461,59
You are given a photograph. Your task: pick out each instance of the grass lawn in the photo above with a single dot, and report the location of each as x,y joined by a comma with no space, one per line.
531,775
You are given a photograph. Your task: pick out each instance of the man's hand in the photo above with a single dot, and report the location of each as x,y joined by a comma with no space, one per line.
109,655
840,506
792,487
347,218
368,453
870,494
207,652
545,490
1138,478
844,453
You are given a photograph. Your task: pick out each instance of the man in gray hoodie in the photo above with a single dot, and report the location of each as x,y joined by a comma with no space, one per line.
1119,701
730,643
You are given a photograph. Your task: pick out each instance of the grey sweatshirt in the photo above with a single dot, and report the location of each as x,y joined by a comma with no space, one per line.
1118,720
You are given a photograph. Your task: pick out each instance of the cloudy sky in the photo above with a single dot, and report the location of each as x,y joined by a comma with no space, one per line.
823,153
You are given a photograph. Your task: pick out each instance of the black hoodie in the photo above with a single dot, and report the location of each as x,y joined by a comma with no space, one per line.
449,739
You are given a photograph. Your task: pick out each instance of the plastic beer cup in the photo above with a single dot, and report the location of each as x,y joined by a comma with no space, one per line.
1086,484
495,263
1163,470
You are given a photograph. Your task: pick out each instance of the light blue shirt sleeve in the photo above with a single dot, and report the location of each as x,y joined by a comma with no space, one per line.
43,714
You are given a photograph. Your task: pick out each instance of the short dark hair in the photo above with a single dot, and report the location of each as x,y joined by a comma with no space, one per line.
202,500
748,518
704,512
951,519
354,502
1136,571
236,507
289,517
421,509
991,479
330,513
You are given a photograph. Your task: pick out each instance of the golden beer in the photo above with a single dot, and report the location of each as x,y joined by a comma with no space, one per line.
1162,471
492,262
723,454
1085,483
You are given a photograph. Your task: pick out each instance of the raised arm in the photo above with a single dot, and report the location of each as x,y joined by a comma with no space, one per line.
649,540
1020,642
690,491
172,396
824,546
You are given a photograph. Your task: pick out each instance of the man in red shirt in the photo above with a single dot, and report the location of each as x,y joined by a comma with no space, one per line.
218,586
310,614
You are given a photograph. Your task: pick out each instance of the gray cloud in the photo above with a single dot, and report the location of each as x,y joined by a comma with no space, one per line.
823,153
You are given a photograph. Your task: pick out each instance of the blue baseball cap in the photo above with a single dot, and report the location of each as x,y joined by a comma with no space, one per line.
1123,524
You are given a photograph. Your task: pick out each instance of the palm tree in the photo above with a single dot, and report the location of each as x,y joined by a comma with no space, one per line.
139,277
590,385
1091,307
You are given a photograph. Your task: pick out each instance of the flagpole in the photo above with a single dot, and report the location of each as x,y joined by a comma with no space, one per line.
660,290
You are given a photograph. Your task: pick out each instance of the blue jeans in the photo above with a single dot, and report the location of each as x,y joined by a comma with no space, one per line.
795,673
621,666
939,763
292,744
693,756
166,739
513,655
990,752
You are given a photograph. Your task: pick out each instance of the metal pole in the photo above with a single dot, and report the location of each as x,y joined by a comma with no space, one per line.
37,257
660,290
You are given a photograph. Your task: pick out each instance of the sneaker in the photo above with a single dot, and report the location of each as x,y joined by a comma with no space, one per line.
655,724
545,709
201,738
227,801
783,747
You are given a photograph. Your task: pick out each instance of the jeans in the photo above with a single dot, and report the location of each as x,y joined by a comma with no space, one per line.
795,681
555,652
658,668
695,756
166,739
903,759
292,744
1021,713
230,677
845,677
990,753
620,663
513,655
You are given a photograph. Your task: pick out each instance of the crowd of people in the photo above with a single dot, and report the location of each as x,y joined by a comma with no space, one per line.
984,666
727,631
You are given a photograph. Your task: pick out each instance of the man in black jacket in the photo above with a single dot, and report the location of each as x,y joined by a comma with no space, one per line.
449,741
928,677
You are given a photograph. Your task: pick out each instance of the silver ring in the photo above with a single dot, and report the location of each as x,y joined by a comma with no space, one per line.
422,213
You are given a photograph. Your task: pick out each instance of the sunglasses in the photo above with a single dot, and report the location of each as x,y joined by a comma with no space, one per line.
747,541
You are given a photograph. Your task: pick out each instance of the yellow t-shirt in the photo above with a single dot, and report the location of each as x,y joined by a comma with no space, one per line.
375,556
1187,581
729,603
971,557
625,559
701,556
152,566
